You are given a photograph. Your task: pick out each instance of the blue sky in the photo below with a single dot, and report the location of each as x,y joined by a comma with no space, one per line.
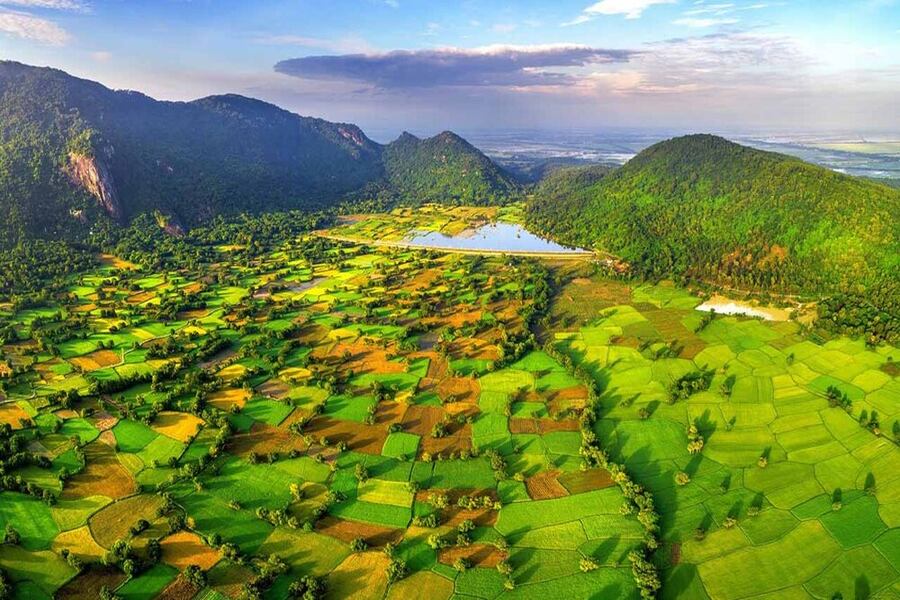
427,65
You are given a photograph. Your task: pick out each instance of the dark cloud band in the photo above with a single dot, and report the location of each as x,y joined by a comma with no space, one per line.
491,66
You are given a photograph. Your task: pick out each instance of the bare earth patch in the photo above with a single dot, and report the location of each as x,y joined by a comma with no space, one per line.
102,476
346,531
184,548
478,555
545,486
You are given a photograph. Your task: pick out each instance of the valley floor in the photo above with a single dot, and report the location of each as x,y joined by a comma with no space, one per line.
361,421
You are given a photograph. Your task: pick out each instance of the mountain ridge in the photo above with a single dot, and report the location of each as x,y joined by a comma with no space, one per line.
704,208
128,154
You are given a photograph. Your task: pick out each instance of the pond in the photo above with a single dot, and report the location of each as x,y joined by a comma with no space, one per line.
497,237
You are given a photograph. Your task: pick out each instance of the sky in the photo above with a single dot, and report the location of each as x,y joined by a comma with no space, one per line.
429,65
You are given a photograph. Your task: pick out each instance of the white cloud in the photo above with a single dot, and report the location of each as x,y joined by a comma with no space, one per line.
632,9
53,4
32,28
392,3
504,28
101,56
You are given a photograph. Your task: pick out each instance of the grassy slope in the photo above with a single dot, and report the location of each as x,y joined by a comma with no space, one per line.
705,207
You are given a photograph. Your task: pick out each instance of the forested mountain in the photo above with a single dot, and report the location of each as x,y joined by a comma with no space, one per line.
72,151
444,168
703,207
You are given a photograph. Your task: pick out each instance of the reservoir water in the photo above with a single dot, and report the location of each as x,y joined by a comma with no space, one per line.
498,237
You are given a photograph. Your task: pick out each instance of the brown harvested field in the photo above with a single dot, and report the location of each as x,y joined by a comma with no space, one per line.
180,589
102,476
228,579
561,402
551,425
116,262
460,318
420,419
106,358
176,425
360,576
368,359
84,363
141,297
87,586
192,288
584,481
458,440
264,439
79,542
197,313
225,398
114,521
12,414
458,389
103,421
185,548
346,531
474,348
453,515
312,333
478,555
274,388
389,412
545,486
581,299
520,425
85,308
368,439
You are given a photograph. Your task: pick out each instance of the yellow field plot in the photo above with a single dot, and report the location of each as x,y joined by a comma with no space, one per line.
232,372
114,521
132,462
295,374
423,585
360,577
142,334
117,263
385,492
12,414
191,329
176,425
185,548
342,335
79,542
71,513
224,399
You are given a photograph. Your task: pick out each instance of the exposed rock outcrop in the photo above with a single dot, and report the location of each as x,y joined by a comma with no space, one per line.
93,175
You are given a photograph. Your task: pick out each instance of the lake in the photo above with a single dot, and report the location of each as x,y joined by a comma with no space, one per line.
497,237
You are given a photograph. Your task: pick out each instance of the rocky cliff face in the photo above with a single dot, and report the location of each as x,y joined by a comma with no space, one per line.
92,174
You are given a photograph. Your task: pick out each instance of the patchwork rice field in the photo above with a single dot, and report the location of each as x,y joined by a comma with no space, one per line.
391,423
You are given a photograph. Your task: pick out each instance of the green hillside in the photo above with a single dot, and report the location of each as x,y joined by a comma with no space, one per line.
444,168
705,208
73,151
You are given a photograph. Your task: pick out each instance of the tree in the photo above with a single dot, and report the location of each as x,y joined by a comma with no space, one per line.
396,570
587,565
195,576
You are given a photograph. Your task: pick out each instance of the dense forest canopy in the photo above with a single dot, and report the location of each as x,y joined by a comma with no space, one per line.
705,208
73,151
